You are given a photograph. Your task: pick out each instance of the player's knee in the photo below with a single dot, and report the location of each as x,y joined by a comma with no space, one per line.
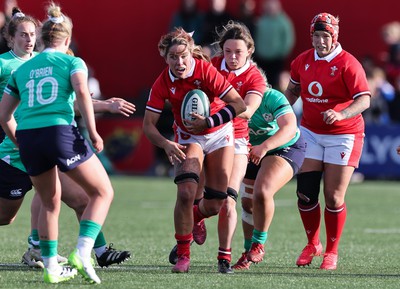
334,201
308,188
232,193
186,177
214,200
185,183
78,204
210,194
228,208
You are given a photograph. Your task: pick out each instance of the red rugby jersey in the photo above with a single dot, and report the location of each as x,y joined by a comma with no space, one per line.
247,79
326,83
203,76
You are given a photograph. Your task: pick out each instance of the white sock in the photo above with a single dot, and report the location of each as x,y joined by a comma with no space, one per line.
35,243
51,263
85,246
100,250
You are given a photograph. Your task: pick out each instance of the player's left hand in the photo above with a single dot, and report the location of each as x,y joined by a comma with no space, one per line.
196,126
330,116
256,154
121,106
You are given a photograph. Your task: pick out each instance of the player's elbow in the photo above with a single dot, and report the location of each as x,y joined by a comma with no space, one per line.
240,107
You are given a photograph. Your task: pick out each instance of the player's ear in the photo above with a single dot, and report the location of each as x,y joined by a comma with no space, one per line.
67,41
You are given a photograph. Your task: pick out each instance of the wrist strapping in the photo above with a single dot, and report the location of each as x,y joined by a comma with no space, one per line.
224,115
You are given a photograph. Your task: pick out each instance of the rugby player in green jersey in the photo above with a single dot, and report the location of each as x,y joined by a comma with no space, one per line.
47,93
276,154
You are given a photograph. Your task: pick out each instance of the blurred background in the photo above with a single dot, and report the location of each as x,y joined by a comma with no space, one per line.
118,40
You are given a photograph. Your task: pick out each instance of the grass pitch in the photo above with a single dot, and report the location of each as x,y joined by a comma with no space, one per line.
141,220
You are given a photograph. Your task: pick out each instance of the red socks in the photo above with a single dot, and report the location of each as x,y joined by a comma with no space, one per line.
311,217
225,254
183,242
334,223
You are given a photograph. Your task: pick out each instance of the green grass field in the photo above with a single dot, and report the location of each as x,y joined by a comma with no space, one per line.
141,220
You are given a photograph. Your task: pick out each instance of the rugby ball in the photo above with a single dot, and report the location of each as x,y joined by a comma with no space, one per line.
195,101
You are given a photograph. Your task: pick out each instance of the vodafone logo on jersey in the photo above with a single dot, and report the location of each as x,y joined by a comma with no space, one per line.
315,89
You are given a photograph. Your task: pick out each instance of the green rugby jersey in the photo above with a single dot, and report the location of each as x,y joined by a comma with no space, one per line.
263,124
9,62
44,88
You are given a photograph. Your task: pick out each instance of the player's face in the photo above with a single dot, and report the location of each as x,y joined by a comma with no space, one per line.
322,42
24,39
235,53
179,60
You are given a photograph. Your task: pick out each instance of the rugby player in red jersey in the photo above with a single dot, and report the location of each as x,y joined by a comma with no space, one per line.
334,90
207,141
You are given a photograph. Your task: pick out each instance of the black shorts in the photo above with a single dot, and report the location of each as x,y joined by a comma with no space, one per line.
14,183
43,148
293,154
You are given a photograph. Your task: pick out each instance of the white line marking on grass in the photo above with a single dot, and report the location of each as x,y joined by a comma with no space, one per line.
383,231
12,265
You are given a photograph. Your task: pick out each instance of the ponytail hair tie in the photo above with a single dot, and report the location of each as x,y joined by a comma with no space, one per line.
57,20
18,15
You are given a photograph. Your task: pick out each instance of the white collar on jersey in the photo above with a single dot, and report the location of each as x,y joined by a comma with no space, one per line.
331,55
20,58
173,78
48,49
237,71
